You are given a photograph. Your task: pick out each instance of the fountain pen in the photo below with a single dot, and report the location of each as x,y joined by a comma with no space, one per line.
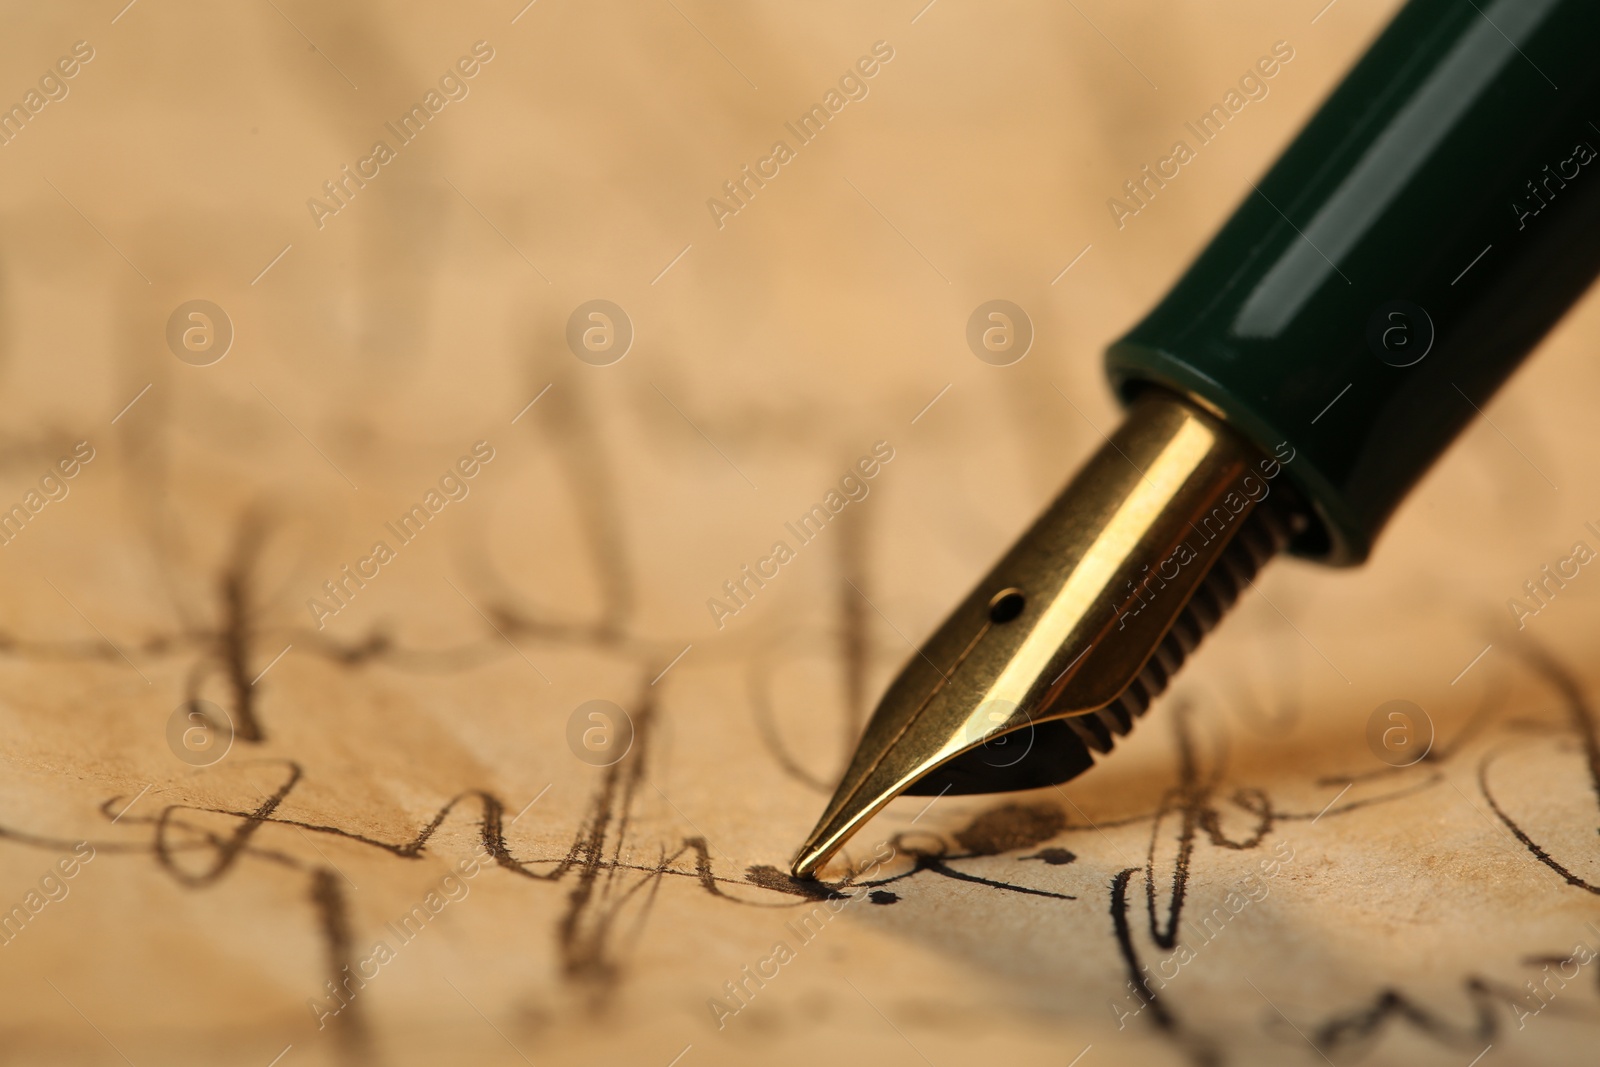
1433,220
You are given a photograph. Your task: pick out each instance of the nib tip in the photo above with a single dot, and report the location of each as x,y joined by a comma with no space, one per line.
807,862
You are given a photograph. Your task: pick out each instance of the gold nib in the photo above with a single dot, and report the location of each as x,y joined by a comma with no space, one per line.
1077,628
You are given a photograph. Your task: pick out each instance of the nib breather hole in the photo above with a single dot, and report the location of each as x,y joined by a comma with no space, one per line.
1006,605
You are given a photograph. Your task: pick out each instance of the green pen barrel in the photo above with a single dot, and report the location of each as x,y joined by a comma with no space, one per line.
1429,225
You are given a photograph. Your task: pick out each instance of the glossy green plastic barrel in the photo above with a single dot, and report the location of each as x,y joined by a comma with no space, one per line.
1434,219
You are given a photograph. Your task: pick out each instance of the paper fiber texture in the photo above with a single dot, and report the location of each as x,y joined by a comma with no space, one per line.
543,628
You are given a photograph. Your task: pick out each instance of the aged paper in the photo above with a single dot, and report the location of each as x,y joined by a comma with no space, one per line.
385,681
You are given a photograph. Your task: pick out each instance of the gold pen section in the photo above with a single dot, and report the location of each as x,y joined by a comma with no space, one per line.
1068,619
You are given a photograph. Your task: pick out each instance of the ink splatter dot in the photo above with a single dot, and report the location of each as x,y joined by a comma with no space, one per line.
1055,857
882,896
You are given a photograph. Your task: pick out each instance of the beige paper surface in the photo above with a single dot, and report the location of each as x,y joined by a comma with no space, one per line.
1294,898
